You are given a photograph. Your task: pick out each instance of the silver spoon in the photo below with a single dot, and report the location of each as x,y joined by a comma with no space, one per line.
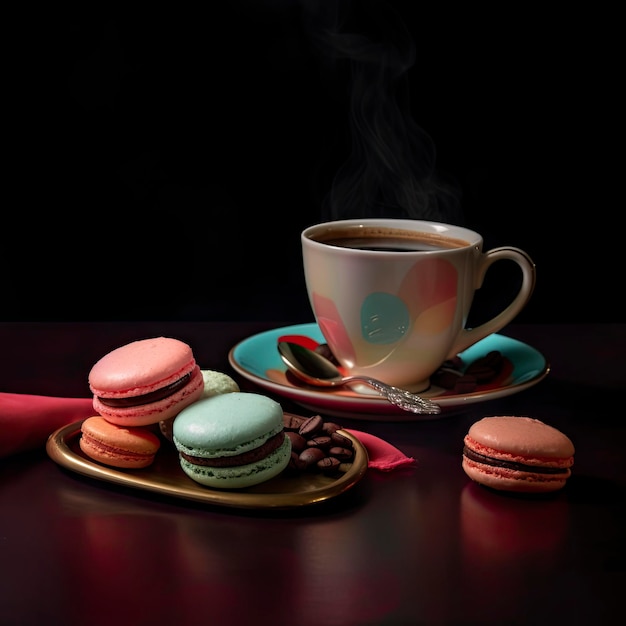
315,369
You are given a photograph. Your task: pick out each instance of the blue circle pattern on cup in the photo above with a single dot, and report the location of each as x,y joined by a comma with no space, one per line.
385,318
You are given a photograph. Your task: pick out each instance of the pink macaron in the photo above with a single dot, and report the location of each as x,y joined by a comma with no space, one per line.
118,446
145,381
520,454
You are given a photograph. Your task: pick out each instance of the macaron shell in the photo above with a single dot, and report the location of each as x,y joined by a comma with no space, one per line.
240,476
227,424
521,438
130,448
140,367
145,414
521,441
217,383
505,479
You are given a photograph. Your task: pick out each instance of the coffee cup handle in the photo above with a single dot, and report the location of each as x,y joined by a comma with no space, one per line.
470,336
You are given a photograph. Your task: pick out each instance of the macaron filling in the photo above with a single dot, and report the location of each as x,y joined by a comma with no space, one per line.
220,451
512,465
115,451
147,398
251,456
240,476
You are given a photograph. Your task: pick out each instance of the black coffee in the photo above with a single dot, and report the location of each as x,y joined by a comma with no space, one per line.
388,239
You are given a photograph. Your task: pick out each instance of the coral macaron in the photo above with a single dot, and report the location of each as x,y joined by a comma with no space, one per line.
130,448
145,381
232,440
519,454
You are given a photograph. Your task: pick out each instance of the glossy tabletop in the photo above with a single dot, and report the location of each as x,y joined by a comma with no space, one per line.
420,545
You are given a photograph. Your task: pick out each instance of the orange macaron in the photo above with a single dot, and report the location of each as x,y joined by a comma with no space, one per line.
118,446
521,454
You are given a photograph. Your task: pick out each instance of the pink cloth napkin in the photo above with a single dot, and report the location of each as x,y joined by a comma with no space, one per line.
26,422
382,455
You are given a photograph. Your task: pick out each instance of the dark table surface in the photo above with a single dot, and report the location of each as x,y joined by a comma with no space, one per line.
422,545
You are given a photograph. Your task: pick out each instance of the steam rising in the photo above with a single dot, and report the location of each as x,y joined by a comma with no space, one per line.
390,170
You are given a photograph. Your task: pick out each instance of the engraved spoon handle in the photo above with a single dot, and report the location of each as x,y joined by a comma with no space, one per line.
400,397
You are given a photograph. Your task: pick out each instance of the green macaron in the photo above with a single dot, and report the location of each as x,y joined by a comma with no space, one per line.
232,440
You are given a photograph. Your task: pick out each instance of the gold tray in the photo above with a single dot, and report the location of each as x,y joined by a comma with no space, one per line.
166,477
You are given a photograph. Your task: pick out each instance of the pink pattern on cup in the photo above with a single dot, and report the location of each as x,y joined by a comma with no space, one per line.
434,308
329,321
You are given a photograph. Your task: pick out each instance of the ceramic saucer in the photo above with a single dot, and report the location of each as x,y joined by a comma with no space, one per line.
257,359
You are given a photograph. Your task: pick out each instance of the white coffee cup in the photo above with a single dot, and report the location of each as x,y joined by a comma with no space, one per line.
392,296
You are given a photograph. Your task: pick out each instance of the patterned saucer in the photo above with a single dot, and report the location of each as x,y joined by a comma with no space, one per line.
257,359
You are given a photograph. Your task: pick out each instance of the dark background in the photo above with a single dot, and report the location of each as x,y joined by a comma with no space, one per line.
162,164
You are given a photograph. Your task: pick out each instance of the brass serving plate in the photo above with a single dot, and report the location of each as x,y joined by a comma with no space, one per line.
165,477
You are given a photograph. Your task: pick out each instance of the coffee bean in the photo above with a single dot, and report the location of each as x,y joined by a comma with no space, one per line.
328,463
482,374
494,359
482,370
311,456
341,440
320,441
292,422
330,427
487,367
465,384
343,454
311,426
295,463
298,442
446,378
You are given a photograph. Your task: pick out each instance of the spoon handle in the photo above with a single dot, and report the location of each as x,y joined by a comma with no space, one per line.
404,399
